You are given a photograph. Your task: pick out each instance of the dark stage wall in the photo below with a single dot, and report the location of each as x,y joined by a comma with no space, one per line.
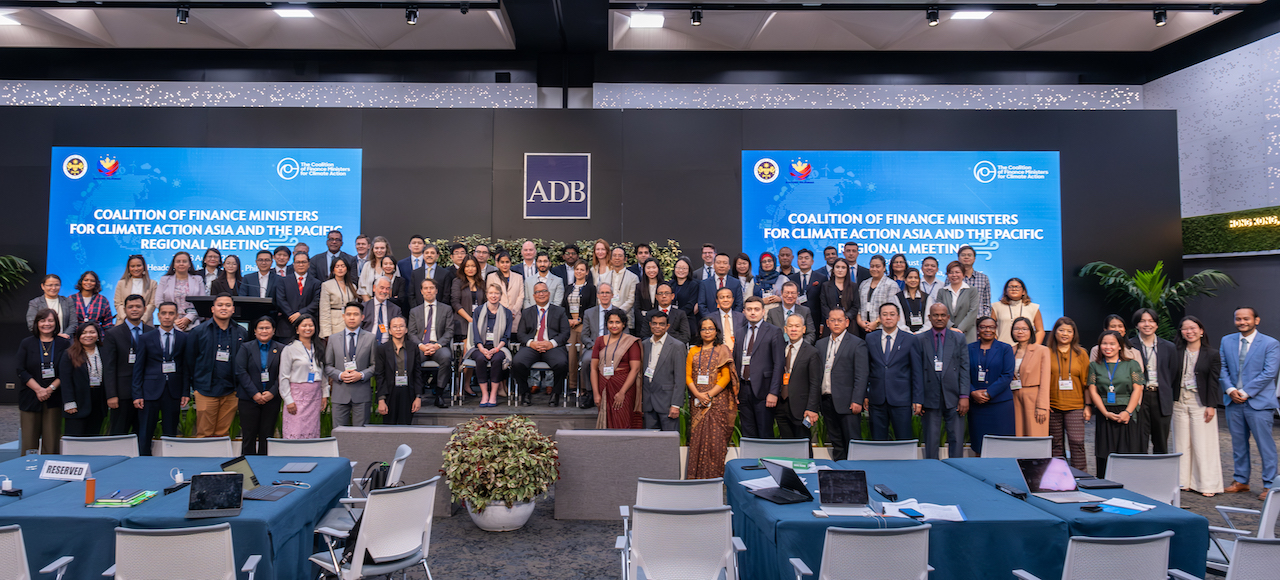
656,174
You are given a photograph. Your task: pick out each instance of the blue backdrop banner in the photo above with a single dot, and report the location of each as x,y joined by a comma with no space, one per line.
1006,204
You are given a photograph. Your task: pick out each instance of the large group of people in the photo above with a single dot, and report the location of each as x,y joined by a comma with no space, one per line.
777,347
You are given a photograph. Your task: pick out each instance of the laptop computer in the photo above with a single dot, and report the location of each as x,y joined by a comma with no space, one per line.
1051,479
215,495
842,490
790,488
251,488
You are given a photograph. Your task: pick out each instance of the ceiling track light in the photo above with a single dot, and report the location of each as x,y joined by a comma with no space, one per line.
1161,17
695,17
932,16
184,14
411,16
1217,10
466,7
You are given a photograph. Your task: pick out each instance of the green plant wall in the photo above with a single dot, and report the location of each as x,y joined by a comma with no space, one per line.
1213,234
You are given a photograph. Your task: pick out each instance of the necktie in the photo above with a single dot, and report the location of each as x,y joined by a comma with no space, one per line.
431,318
381,337
706,271
788,315
888,345
727,326
299,285
137,333
722,282
804,281
417,263
751,342
542,324
168,352
1244,350
351,345
789,345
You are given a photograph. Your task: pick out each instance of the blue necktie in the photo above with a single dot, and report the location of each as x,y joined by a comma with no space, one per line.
137,333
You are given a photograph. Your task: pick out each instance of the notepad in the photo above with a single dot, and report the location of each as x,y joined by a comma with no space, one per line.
299,467
931,511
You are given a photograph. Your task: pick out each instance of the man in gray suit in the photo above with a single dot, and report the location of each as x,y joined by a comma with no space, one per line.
543,274
350,356
592,326
844,383
778,316
946,383
663,379
431,323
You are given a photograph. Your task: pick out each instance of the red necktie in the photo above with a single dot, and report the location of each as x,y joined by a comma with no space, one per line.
299,285
542,324
722,282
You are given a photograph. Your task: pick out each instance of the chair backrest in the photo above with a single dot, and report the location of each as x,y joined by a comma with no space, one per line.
13,554
873,450
126,445
1270,511
675,543
203,447
1254,558
322,447
397,464
680,493
1017,447
1155,476
202,552
395,522
752,448
902,553
1141,558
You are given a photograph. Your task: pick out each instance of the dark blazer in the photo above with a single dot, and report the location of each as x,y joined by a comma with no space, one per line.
248,369
384,367
767,363
999,367
75,387
370,322
117,372
29,367
829,299
677,321
738,320
810,292
895,377
405,265
686,296
863,274
149,379
586,296
557,325
942,390
1168,364
202,351
414,290
803,390
289,301
848,371
462,301
442,321
707,293
249,285
1208,380
320,263
567,275
777,317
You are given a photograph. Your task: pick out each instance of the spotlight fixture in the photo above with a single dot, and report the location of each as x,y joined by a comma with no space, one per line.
410,16
695,17
466,7
932,15
1161,16
1217,10
183,14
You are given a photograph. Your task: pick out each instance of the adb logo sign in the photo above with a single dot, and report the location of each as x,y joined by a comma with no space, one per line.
984,171
557,186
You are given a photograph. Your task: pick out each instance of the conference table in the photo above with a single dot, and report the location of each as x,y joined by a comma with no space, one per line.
24,472
56,523
1187,548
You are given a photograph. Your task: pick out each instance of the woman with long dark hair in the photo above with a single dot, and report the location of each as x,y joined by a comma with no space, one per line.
914,302
615,365
841,292
136,280
303,389
84,402
898,270
713,385
91,305
335,294
177,284
872,294
1115,389
211,269
1068,403
684,286
1196,399
228,281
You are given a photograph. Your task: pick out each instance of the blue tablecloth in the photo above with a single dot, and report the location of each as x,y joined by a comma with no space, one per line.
29,480
1001,533
1187,548
56,523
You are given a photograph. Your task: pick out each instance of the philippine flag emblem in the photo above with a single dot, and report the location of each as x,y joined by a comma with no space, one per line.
800,169
108,166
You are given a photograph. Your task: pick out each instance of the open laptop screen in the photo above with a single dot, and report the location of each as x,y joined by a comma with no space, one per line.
843,487
1047,475
214,491
241,465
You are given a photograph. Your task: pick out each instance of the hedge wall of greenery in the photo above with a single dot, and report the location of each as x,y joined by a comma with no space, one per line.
1213,234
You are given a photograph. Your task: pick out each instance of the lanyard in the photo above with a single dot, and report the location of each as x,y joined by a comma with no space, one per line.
615,349
44,354
1070,354
982,366
702,365
1111,372
310,355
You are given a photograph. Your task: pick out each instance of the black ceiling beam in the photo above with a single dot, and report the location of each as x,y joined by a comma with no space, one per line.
947,7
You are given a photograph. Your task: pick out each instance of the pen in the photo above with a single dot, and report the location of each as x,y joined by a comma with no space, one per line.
113,494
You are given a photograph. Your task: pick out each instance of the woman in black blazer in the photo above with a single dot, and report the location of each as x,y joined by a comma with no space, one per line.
39,401
398,402
832,296
685,287
83,401
1196,399
259,400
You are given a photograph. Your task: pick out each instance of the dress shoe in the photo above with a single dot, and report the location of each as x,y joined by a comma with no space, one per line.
555,400
534,389
1263,496
1237,487
441,403
526,399
586,403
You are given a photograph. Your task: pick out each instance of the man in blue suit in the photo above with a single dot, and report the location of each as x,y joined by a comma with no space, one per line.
722,279
1250,362
160,378
895,385
758,356
946,383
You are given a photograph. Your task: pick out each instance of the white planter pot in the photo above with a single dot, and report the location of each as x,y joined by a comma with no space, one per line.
497,517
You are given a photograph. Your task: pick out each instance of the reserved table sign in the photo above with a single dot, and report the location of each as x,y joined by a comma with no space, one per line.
65,470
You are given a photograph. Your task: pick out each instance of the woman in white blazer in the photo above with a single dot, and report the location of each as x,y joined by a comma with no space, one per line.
512,287
136,280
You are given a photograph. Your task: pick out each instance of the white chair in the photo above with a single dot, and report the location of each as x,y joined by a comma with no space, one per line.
1155,476
126,445
203,552
344,518
322,447
1252,558
673,494
903,554
395,533
752,448
873,450
1221,550
1017,447
1136,558
192,447
13,557
675,543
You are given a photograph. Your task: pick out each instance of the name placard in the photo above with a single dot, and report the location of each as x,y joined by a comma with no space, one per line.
65,470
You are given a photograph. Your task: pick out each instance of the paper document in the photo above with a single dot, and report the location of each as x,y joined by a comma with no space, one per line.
759,483
848,511
1127,505
931,511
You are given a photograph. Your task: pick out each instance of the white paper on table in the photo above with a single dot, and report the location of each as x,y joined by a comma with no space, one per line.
931,511
1126,504
849,511
759,483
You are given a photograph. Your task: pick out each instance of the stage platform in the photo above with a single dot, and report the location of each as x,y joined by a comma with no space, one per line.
549,419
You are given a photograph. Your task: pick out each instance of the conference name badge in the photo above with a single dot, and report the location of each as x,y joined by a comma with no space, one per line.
1111,395
489,337
982,375
349,365
786,378
264,376
746,359
168,367
1015,385
95,381
1065,385
133,358
704,379
402,380
648,373
937,365
223,355
64,470
606,371
46,373
917,320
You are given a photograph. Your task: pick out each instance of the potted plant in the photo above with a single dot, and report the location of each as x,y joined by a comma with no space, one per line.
497,467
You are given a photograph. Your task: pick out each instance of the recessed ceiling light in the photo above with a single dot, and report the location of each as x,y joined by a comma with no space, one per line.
647,20
294,13
970,15
6,21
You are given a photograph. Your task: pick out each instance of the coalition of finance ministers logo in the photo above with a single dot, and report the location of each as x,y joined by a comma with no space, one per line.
75,167
766,170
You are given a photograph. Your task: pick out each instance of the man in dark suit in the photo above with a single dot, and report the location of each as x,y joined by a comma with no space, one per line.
296,295
895,383
778,316
159,382
1161,363
119,351
542,333
708,288
844,383
677,320
663,376
829,258
946,383
569,257
430,270
407,266
851,256
723,312
707,269
642,253
431,324
322,263
379,310
808,281
457,253
349,356
758,355
801,383
211,348
263,284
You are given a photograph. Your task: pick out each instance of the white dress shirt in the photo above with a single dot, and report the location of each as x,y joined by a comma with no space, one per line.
831,359
262,284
